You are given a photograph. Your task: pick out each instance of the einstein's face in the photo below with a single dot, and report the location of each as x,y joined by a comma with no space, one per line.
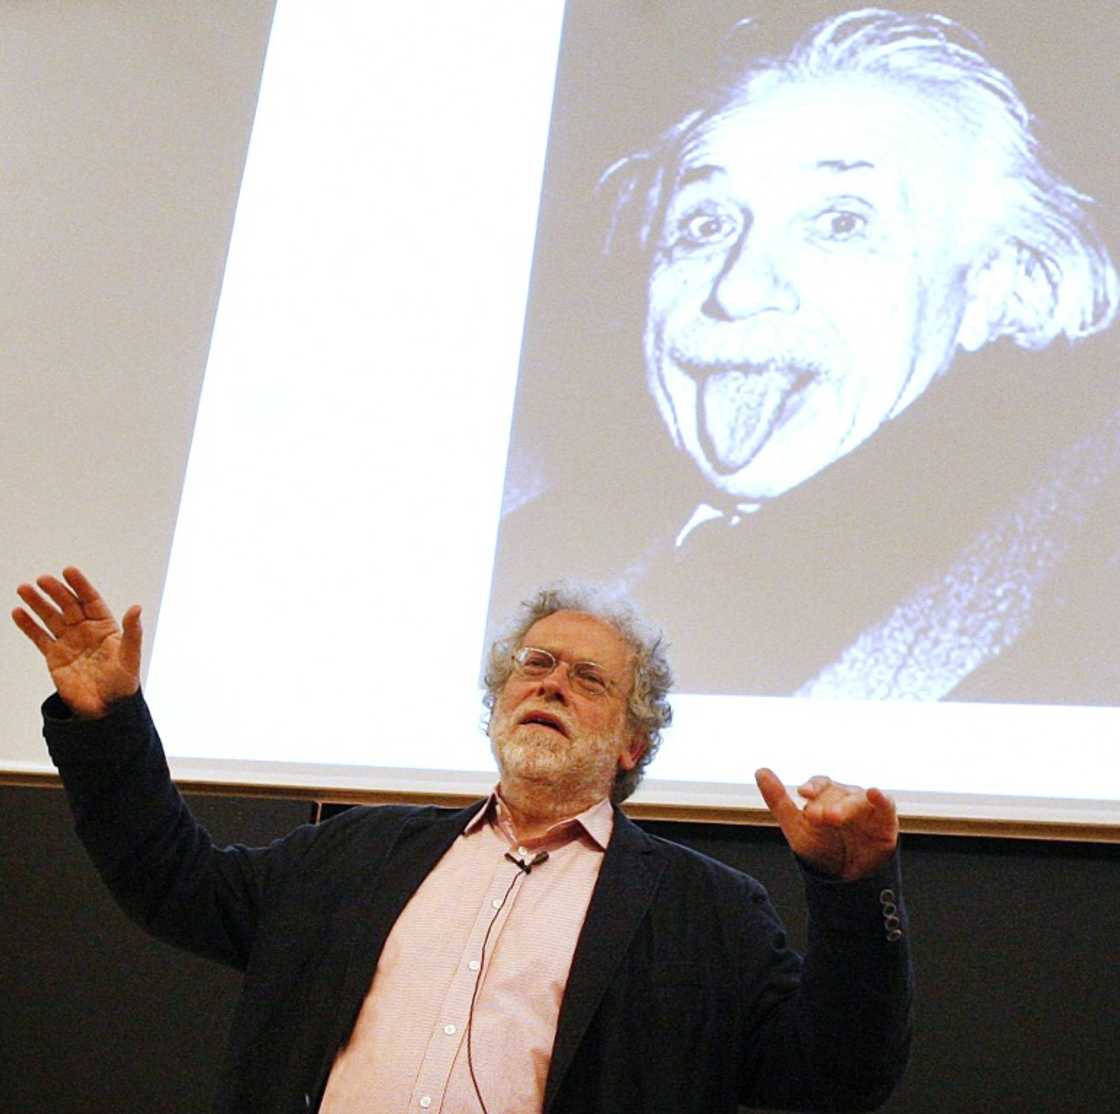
808,277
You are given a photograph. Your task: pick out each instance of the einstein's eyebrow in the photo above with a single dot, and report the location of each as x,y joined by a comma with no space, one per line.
692,174
840,166
707,171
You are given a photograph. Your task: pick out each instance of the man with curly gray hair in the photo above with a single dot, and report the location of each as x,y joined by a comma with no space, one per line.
534,951
647,707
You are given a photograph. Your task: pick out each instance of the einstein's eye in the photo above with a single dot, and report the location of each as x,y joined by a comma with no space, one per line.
704,227
839,225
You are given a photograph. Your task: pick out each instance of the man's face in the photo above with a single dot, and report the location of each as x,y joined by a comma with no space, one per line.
808,278
548,732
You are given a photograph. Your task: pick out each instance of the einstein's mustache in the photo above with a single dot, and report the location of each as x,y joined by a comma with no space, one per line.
703,350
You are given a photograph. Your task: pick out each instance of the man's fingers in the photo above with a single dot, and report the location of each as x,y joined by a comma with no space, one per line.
885,810
74,601
93,606
50,616
778,801
67,602
32,629
814,787
879,800
131,640
841,806
870,811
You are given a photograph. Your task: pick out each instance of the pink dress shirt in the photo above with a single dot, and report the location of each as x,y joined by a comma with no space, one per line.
408,1050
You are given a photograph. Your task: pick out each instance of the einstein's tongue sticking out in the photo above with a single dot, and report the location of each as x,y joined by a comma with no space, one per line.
738,410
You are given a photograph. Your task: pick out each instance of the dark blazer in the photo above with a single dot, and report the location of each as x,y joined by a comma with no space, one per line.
683,995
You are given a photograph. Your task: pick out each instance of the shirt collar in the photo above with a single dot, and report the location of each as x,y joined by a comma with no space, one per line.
597,821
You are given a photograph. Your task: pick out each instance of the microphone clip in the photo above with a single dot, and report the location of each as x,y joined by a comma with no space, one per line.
521,864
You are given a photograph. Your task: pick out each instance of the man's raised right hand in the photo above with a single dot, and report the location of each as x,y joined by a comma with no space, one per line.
92,661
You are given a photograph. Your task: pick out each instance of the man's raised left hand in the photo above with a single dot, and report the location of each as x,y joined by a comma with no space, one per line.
843,830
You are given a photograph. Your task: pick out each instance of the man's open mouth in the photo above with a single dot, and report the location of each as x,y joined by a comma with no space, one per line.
544,719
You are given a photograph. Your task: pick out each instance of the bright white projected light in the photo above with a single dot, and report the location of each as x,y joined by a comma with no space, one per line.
810,354
334,542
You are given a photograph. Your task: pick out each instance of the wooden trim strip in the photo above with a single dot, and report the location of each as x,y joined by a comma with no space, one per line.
1058,831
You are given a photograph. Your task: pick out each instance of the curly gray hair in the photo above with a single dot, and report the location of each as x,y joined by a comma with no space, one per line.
648,709
1061,279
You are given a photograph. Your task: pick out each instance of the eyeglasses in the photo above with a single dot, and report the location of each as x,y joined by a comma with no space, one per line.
585,676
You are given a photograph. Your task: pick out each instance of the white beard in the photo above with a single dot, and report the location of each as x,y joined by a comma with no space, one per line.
574,768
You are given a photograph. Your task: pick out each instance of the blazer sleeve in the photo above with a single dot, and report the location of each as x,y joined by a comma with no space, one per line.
837,1035
160,865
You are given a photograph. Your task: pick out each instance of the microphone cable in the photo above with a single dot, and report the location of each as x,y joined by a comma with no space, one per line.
525,868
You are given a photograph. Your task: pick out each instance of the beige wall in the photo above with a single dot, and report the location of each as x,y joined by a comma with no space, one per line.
124,128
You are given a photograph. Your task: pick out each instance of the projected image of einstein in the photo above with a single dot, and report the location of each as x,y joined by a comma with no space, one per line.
868,463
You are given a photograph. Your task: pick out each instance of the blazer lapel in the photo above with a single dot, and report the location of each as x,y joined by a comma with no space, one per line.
419,844
631,870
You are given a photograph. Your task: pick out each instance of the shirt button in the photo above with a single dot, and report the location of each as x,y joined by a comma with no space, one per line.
425,1101
474,965
522,853
449,1030
497,903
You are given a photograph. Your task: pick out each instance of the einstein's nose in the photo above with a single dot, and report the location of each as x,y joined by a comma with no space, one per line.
753,280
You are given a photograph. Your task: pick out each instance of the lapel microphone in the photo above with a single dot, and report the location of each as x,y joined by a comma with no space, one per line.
521,864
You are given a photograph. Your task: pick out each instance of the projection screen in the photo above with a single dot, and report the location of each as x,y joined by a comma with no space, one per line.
792,322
